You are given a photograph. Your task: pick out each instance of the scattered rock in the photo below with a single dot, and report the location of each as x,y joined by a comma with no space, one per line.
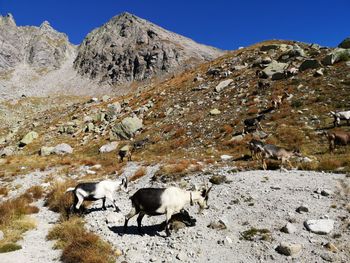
337,55
274,68
218,225
7,151
226,157
215,112
28,138
269,47
320,226
326,192
302,209
345,43
45,151
181,256
218,179
62,148
105,98
1,235
237,138
289,228
328,257
319,72
223,84
309,64
288,249
109,147
127,128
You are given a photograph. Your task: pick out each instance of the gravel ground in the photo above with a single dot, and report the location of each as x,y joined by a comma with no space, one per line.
259,199
35,247
251,199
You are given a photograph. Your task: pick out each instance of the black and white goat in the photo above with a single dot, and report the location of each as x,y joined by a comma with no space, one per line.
253,123
92,191
341,115
160,201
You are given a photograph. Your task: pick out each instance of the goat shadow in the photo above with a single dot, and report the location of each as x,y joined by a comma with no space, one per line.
150,230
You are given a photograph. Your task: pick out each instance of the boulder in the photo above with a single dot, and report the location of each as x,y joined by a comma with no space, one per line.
113,109
218,179
45,151
127,128
109,147
28,138
62,148
309,64
223,84
269,47
225,157
289,249
105,98
320,226
337,55
289,228
273,68
345,43
7,151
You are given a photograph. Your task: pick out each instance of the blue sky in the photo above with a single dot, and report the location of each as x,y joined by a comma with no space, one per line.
226,24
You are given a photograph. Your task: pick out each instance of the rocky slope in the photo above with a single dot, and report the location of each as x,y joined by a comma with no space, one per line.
128,48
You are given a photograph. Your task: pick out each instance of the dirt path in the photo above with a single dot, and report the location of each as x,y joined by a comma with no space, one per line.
35,247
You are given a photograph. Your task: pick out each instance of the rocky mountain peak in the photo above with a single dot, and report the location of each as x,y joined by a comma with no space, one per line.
39,47
7,20
129,48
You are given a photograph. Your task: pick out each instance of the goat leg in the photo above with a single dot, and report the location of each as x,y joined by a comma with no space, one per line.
139,220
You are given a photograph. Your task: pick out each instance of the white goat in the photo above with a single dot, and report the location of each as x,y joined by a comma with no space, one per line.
341,115
159,201
93,191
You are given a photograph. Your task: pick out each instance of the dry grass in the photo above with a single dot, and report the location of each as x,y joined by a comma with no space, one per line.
78,245
58,200
13,219
4,191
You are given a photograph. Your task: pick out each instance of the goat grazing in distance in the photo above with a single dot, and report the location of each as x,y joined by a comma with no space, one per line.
253,123
159,201
341,115
337,138
92,191
125,151
255,147
270,151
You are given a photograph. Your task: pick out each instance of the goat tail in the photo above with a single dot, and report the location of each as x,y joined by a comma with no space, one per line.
70,189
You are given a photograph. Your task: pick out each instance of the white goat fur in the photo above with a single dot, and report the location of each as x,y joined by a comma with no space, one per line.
103,190
341,115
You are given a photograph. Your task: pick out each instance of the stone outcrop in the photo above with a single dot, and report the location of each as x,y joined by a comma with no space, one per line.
129,48
39,47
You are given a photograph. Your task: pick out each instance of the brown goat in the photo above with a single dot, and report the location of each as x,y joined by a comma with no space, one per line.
337,138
